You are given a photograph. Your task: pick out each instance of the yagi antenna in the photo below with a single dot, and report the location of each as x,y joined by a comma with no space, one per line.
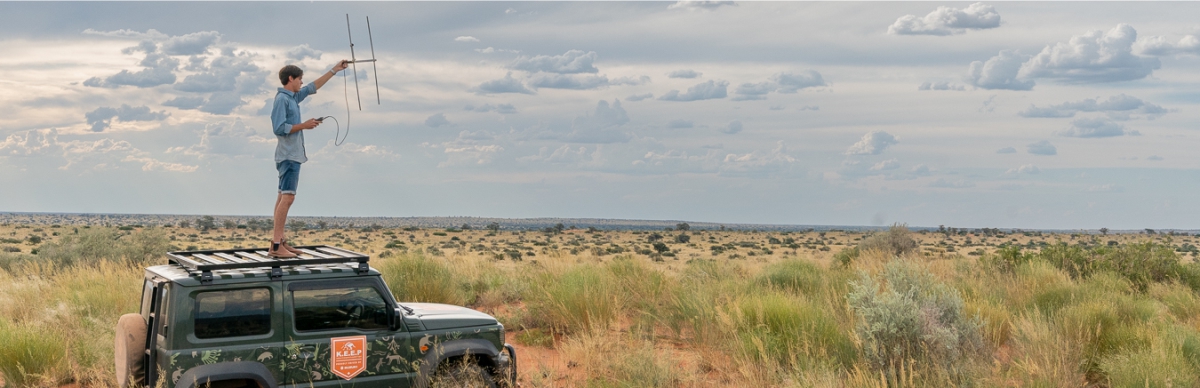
354,60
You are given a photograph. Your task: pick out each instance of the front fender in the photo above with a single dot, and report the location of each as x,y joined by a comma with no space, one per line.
241,370
441,351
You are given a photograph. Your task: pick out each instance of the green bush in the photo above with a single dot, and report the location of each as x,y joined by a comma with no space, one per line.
845,257
413,277
1142,264
910,317
897,240
790,332
106,244
1008,258
582,298
794,275
31,357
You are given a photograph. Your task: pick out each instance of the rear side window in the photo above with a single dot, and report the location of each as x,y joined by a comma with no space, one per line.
358,307
233,313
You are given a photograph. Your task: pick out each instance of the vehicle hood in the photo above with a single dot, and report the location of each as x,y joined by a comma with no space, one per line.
443,316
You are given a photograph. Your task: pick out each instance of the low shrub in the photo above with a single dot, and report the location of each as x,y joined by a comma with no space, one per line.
1165,363
582,298
909,317
897,240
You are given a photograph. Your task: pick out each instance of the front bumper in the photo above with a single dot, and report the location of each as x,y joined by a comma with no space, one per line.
507,366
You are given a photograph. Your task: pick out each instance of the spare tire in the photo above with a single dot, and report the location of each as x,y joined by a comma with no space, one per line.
130,347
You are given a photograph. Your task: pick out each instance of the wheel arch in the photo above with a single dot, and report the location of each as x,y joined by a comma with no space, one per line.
240,370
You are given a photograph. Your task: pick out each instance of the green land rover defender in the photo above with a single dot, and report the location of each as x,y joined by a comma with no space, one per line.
237,318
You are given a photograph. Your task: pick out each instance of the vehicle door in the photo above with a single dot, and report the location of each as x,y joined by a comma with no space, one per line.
333,323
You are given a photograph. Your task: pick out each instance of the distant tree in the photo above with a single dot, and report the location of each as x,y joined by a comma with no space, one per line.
494,227
592,229
683,227
683,238
297,225
661,248
1104,231
466,227
229,224
654,237
322,224
35,239
1150,231
559,227
669,229
185,224
206,223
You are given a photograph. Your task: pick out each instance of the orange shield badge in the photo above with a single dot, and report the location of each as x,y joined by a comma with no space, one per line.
348,356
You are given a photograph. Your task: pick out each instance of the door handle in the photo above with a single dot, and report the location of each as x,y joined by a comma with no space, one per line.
308,351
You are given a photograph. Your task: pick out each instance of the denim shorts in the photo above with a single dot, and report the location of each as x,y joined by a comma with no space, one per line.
289,176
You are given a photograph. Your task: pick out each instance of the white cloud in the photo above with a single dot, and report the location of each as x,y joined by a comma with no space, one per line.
159,69
600,127
563,81
873,143
191,44
571,62
437,120
703,91
96,155
1006,150
225,139
999,72
940,85
299,53
508,84
890,164
101,118
639,97
1117,103
563,155
947,21
466,39
758,163
490,50
470,155
733,127
1161,46
1095,56
1096,127
700,5
1024,169
506,109
790,82
685,73
1041,148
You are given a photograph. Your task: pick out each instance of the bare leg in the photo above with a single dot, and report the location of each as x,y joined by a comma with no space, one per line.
282,205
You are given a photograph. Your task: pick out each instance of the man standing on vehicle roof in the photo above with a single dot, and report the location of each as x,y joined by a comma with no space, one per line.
289,153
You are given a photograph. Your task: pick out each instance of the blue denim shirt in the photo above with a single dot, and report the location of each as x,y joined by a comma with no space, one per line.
284,115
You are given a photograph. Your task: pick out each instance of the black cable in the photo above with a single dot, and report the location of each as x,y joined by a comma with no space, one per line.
346,92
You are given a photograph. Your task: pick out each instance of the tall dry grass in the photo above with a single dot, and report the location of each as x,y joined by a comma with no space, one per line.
1065,316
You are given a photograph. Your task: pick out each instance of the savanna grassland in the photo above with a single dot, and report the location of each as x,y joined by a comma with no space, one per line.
986,307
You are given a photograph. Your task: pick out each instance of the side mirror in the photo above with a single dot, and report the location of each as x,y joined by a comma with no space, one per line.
395,318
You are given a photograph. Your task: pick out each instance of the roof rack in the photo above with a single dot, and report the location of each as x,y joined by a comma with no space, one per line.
202,263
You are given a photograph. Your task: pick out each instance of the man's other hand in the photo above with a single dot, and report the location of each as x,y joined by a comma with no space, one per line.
341,65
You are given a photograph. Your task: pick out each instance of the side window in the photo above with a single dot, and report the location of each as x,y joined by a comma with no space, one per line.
359,307
147,292
233,313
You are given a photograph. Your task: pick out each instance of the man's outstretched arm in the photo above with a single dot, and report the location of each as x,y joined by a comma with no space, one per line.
341,65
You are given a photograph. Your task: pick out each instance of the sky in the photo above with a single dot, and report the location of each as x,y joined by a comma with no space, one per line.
1062,115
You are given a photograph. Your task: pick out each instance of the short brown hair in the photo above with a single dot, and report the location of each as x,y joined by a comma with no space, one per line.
289,71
